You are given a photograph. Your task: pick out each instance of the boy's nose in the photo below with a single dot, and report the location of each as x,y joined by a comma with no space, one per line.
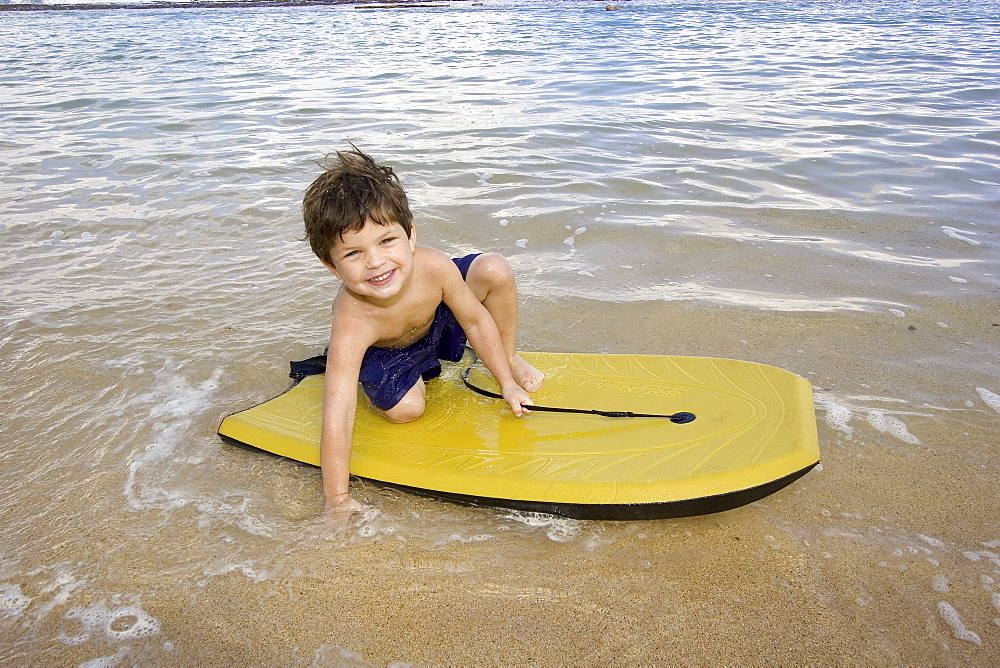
375,259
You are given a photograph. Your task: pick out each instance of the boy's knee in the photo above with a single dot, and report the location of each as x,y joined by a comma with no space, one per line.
408,409
494,269
401,414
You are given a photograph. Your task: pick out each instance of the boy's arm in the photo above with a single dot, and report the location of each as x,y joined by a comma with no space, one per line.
340,399
484,336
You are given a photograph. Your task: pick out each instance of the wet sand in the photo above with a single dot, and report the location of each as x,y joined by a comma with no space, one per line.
828,570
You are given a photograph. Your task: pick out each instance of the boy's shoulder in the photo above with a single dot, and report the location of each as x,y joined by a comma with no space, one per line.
431,255
433,264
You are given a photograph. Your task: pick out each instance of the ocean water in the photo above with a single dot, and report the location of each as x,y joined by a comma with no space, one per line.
812,185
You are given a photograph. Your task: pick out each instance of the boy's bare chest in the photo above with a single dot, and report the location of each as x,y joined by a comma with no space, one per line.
405,324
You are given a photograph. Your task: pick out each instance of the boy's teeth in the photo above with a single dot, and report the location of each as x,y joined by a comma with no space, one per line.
381,277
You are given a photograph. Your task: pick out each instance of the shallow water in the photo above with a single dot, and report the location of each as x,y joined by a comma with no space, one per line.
806,184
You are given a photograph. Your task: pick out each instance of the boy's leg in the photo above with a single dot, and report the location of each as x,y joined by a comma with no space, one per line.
409,408
491,279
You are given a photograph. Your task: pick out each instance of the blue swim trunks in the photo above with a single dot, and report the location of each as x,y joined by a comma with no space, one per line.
387,374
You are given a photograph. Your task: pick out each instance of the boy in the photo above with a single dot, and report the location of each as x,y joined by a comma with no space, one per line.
400,308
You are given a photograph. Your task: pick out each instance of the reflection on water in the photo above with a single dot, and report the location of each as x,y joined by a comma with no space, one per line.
796,183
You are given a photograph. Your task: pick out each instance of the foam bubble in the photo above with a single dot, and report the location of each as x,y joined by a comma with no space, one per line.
335,655
579,230
838,417
951,618
116,623
940,583
569,241
989,398
957,279
891,425
521,243
504,222
12,601
896,312
996,600
107,661
930,541
558,529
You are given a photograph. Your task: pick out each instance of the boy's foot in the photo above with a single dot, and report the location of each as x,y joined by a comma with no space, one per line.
525,375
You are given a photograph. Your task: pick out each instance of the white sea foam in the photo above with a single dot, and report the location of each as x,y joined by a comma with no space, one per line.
951,618
173,405
247,568
12,601
940,584
838,417
989,398
115,622
335,655
887,424
960,235
930,540
521,243
108,661
559,529
956,279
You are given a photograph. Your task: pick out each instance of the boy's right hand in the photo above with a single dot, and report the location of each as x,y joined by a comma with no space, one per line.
339,510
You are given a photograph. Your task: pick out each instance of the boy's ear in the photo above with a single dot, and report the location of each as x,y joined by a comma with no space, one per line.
332,269
413,237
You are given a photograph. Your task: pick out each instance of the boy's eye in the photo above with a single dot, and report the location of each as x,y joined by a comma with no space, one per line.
351,253
388,240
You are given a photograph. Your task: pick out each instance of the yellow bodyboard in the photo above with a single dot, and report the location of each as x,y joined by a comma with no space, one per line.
754,432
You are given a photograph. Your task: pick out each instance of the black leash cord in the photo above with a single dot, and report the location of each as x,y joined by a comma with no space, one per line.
676,418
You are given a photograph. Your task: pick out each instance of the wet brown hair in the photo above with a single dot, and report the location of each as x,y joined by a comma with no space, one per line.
352,190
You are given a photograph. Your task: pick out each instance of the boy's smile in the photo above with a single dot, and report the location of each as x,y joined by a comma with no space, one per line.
382,279
374,262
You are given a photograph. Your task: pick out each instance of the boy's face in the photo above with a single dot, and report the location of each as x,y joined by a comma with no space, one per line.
376,261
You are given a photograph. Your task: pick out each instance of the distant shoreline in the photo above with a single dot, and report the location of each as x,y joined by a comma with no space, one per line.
221,4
